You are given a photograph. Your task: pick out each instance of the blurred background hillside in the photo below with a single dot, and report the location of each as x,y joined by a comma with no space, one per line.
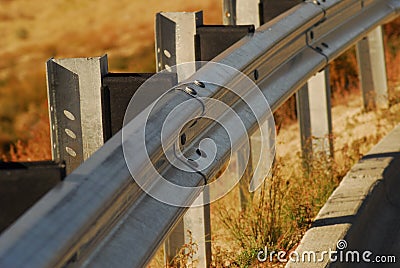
33,31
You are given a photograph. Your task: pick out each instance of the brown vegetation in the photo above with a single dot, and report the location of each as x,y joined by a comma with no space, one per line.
33,31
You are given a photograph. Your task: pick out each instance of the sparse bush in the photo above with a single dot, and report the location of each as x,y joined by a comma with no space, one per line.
22,33
186,256
36,148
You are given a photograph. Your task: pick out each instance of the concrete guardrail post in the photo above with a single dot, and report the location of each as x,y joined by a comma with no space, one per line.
175,44
372,70
75,109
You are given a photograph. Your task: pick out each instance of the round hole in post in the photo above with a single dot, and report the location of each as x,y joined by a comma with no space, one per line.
69,115
167,54
168,68
70,133
70,151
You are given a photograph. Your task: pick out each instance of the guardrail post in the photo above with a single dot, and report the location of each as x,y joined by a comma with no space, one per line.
303,117
372,68
243,12
75,109
314,116
175,44
228,12
313,101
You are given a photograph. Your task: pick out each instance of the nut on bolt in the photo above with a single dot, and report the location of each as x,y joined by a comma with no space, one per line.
199,83
190,91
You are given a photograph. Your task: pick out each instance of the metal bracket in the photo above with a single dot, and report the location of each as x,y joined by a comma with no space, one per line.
212,40
118,89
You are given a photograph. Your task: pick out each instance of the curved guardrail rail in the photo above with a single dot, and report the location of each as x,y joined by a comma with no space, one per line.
99,216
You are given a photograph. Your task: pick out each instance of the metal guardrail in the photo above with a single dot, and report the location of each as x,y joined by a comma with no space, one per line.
98,216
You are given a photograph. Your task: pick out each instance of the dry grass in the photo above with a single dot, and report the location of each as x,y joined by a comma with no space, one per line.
290,199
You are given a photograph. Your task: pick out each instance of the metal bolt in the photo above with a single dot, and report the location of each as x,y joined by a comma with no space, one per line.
190,91
199,83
